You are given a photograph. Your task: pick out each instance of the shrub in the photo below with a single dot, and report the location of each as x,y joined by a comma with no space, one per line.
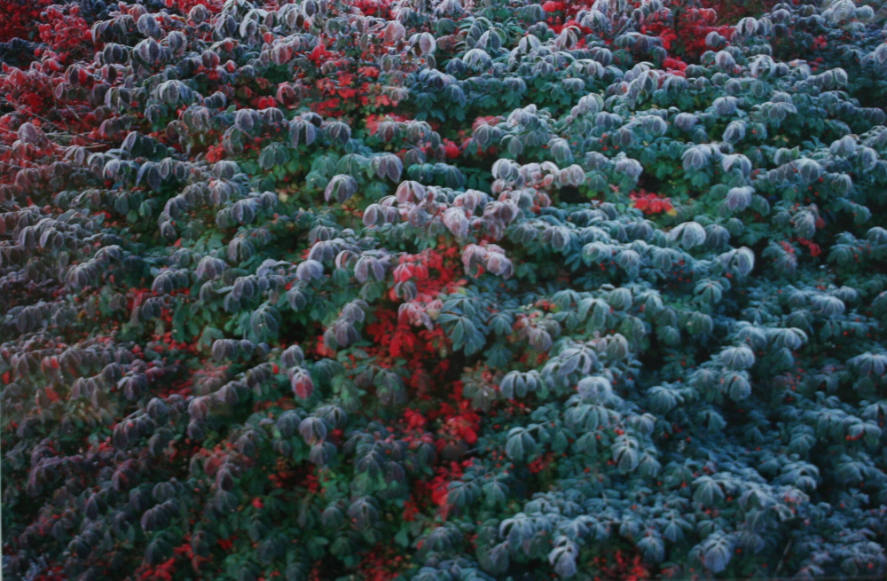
392,288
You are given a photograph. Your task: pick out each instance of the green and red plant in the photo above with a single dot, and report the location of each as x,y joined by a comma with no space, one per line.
430,290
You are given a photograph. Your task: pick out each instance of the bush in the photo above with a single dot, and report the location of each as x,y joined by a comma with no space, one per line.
387,288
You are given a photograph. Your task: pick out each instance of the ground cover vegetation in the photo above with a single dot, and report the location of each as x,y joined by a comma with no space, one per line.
443,289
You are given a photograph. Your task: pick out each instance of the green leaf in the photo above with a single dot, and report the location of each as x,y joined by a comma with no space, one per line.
182,323
402,538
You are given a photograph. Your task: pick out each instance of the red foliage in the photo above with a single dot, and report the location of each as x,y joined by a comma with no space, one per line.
459,423
382,563
551,7
167,570
414,419
436,489
650,203
410,510
811,246
624,567
395,333
541,464
215,153
675,66
372,121
54,574
451,149
683,30
20,18
40,93
380,8
66,32
185,6
319,54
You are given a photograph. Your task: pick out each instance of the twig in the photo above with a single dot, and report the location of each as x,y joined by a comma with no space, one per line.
779,565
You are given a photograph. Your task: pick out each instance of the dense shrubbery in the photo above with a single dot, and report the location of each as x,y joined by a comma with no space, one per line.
380,288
